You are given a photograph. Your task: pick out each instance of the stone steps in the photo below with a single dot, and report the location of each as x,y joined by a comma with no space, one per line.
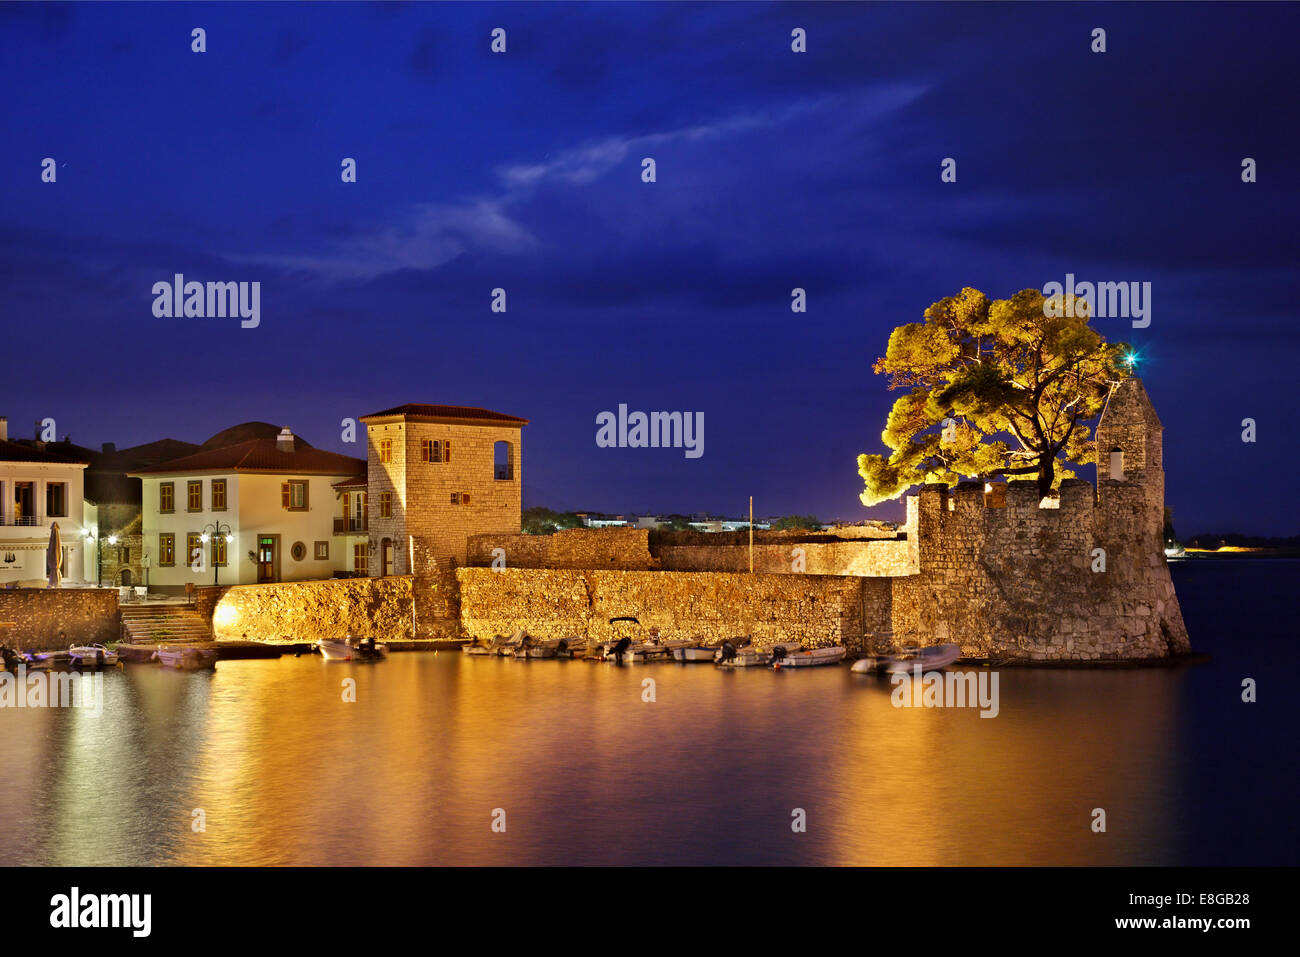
154,625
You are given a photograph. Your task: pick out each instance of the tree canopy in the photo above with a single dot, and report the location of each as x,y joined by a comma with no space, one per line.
994,388
809,523
543,521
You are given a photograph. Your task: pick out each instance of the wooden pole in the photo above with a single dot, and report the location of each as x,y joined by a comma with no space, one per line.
751,534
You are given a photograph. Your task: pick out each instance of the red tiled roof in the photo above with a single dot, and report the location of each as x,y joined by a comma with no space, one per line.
357,481
19,452
261,455
417,410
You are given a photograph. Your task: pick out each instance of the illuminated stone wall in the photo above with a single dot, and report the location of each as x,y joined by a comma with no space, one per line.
813,611
865,558
623,548
309,611
39,615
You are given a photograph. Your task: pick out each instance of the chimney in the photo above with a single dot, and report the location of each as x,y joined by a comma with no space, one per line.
4,428
284,441
108,448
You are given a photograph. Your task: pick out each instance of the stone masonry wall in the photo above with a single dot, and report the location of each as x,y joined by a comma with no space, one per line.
309,611
813,611
83,615
1018,582
624,548
865,558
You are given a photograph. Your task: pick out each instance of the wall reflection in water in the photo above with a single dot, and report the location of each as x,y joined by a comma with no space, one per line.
286,772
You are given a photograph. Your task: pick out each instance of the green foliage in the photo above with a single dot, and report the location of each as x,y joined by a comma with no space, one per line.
675,523
542,521
809,523
1000,387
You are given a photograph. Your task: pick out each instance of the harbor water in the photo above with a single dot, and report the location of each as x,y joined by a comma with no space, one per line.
265,762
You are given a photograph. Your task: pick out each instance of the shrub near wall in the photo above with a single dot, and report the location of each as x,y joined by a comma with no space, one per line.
85,615
377,608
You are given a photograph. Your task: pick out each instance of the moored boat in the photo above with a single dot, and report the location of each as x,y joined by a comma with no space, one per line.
532,647
92,656
506,647
695,651
930,658
787,657
741,653
186,657
352,649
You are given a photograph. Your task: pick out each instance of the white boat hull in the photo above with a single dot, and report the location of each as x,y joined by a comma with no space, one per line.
187,659
694,653
746,659
811,657
92,656
932,658
338,650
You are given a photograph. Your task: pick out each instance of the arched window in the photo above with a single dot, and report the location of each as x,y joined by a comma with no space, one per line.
503,467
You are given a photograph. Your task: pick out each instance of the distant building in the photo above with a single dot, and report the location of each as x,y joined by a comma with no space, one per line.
272,489
437,474
40,485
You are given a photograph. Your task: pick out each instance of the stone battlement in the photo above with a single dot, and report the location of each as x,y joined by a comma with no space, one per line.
996,570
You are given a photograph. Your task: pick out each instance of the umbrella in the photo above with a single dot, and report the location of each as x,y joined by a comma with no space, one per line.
54,557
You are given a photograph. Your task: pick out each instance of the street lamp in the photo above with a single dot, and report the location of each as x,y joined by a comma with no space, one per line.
99,556
216,529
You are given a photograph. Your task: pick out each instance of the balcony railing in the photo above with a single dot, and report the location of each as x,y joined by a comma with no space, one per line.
347,526
29,520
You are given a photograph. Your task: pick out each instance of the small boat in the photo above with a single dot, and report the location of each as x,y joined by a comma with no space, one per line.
92,656
624,648
532,647
931,658
506,647
45,660
807,657
870,665
740,653
572,647
186,657
352,649
695,650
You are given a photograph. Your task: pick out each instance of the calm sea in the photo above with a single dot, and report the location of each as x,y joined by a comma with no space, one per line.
280,770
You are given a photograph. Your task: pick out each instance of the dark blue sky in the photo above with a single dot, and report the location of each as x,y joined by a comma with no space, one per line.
522,171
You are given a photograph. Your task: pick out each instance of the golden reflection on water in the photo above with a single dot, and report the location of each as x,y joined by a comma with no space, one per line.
285,771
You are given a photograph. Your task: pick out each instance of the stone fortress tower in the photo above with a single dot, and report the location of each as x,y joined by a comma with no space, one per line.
437,474
1084,577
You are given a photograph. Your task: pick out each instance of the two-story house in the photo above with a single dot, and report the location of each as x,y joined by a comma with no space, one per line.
40,486
254,504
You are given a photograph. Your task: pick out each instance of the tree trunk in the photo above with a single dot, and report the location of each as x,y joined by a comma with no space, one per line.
1046,475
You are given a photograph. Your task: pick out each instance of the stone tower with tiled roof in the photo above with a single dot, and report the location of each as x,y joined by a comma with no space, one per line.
437,474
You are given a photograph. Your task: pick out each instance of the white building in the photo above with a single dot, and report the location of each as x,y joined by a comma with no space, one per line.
38,487
252,505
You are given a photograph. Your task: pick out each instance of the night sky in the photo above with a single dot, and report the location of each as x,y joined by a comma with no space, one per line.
522,171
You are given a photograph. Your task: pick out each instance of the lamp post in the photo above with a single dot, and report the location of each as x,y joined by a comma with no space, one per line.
217,529
99,563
